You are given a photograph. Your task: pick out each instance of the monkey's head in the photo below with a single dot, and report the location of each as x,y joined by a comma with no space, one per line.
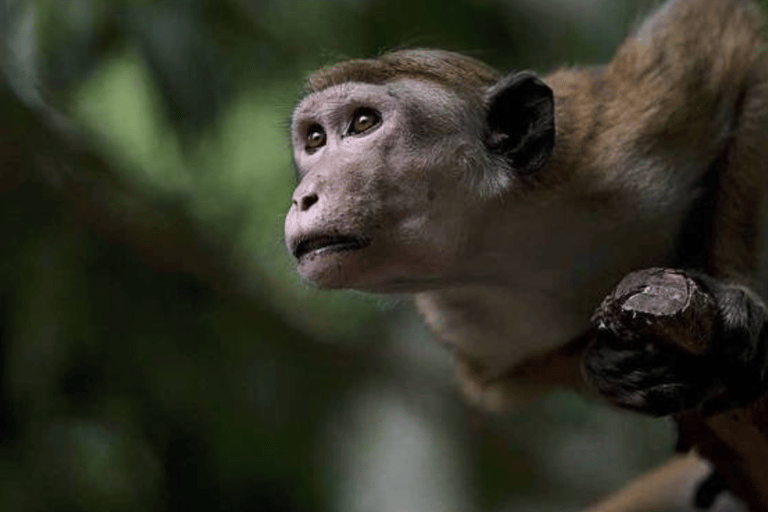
399,158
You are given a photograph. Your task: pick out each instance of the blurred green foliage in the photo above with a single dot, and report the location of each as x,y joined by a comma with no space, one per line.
158,351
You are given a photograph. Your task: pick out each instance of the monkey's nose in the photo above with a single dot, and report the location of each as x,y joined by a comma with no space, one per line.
305,202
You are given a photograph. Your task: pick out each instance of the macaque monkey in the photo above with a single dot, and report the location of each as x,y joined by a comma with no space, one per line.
510,206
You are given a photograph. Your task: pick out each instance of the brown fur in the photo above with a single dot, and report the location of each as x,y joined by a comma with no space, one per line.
458,72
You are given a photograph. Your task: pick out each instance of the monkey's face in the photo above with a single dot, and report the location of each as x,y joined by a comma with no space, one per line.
382,169
396,178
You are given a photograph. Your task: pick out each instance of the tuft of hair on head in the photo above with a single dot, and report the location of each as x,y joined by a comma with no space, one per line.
453,70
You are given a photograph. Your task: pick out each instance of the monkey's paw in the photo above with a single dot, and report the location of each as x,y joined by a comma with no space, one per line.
668,341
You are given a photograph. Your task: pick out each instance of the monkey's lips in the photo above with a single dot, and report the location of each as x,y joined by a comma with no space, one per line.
320,244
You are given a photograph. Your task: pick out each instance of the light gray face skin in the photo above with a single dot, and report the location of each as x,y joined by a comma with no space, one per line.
382,168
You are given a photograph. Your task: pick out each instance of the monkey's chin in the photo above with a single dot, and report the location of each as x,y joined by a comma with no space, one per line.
335,269
366,270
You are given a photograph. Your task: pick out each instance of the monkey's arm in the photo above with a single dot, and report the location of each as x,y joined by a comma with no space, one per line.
668,486
670,342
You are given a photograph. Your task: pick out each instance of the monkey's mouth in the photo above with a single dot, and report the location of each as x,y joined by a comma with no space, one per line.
329,243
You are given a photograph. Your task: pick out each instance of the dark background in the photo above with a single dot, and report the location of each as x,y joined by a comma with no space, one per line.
157,351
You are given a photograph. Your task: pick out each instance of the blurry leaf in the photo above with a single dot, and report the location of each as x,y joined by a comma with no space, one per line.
119,104
453,24
186,64
73,36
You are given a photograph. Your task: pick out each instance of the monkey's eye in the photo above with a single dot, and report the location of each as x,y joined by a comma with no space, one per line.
315,137
363,120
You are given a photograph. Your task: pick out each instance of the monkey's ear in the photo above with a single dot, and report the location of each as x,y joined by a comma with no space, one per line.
521,121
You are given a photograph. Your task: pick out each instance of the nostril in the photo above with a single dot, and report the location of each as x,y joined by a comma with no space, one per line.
307,201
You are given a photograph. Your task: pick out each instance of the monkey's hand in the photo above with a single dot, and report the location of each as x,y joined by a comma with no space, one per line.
668,341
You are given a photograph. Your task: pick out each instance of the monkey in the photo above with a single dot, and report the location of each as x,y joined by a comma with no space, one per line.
509,206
